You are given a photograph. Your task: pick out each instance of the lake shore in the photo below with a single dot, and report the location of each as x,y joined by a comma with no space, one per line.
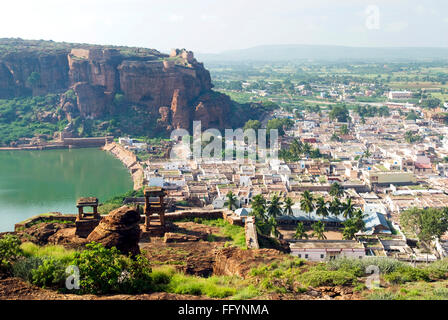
129,159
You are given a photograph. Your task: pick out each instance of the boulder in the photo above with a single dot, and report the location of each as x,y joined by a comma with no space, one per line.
120,229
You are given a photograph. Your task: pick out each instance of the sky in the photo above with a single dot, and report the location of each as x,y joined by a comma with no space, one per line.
213,26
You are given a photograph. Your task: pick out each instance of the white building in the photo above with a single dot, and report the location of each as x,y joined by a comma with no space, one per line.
400,95
320,250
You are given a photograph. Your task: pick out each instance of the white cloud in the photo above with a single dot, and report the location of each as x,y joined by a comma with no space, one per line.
209,18
176,18
396,26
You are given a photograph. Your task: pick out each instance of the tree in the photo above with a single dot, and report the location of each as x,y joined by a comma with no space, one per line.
344,129
307,149
348,208
306,203
287,207
319,230
280,125
335,207
252,124
335,138
300,232
336,190
339,113
427,224
296,147
410,137
34,79
367,154
258,206
353,225
431,103
272,223
275,207
350,229
231,200
321,207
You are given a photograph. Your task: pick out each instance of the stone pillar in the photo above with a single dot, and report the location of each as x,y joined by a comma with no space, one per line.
80,213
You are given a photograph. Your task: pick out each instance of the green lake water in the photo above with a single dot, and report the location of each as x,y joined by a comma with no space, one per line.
34,182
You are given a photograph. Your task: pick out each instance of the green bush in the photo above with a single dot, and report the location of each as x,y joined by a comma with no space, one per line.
23,267
438,270
408,274
139,275
382,295
51,273
9,252
100,269
318,278
104,270
358,266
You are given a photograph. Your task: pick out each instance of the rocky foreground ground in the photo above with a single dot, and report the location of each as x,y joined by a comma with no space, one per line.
186,247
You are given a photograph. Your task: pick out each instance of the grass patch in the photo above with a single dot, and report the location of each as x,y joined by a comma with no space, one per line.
236,233
318,278
49,251
168,280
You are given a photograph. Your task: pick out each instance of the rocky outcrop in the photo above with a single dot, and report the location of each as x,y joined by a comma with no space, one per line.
235,261
120,229
16,70
91,100
213,110
172,89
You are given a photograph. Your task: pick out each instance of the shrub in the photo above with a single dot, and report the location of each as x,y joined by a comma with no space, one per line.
106,271
51,273
382,295
100,269
408,274
9,252
438,270
353,266
23,268
358,266
140,277
318,278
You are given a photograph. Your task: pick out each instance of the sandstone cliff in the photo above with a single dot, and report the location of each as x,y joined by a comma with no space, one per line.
96,81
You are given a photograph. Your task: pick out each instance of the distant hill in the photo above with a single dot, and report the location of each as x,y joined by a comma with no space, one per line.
326,53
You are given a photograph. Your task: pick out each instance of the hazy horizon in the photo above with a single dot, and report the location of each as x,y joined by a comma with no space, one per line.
211,26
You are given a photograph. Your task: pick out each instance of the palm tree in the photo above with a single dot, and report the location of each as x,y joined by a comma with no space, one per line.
319,230
335,207
321,207
336,190
348,208
273,228
287,207
296,147
231,200
306,203
275,207
349,231
306,149
353,225
300,232
258,205
367,154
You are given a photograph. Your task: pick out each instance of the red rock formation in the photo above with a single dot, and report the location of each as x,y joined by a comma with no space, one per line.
120,229
212,110
147,79
91,100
